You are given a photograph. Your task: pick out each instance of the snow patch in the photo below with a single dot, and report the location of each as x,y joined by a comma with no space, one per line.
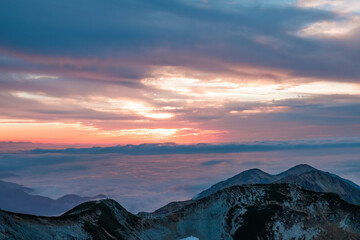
295,195
312,209
190,238
296,232
343,223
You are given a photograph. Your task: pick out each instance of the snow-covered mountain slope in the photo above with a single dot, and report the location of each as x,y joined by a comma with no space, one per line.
271,211
306,176
261,212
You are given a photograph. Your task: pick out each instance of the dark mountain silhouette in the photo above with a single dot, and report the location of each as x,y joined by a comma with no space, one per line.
16,198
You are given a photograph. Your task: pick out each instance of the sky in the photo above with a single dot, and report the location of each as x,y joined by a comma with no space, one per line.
186,90
184,71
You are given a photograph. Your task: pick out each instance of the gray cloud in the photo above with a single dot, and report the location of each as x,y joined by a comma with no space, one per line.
169,33
215,162
203,148
123,42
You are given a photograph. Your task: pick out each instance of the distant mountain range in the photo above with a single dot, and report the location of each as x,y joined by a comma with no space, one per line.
300,203
271,211
16,198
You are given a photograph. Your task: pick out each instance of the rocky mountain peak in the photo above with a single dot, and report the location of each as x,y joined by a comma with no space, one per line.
297,170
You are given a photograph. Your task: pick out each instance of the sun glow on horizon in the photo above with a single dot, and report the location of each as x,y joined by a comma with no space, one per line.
80,133
176,97
125,105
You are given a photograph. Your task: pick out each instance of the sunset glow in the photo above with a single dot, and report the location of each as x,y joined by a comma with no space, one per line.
291,75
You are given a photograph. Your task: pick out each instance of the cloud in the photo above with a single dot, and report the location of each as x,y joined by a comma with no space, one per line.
188,188
215,162
6,175
317,114
225,71
203,148
167,177
137,34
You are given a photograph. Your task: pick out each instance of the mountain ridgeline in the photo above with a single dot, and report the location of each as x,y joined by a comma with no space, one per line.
273,209
16,198
304,175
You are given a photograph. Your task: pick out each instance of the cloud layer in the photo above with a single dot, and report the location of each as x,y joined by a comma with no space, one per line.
169,172
203,148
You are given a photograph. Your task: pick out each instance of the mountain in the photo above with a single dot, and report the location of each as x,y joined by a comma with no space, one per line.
304,175
16,198
319,181
252,176
170,207
271,211
346,180
297,170
104,219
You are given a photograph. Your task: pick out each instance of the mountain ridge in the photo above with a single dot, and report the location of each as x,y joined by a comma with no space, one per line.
305,175
298,204
16,198
251,176
296,170
263,211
